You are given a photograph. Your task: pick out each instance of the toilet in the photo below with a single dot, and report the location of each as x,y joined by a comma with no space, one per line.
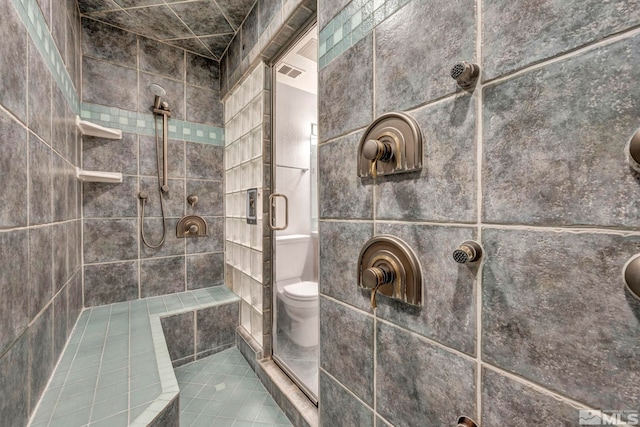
300,298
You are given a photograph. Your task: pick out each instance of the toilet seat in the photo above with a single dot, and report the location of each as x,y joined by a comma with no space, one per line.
302,291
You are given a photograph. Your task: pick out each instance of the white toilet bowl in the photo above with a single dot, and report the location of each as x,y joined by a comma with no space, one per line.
301,304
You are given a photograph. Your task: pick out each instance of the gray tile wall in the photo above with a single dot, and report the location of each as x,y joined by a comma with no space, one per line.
40,227
531,163
118,67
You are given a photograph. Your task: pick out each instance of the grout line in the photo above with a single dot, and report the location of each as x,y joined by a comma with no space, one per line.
479,92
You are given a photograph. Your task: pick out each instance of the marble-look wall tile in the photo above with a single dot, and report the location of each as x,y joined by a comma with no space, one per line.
14,307
517,34
216,326
445,189
112,44
59,124
419,383
40,177
41,360
340,245
159,276
153,234
149,161
204,106
338,407
203,72
39,95
103,200
60,255
109,84
569,168
179,334
110,240
341,193
443,34
61,169
13,50
555,311
40,269
60,324
160,58
346,104
210,197
507,402
328,9
14,405
449,311
346,347
214,242
114,155
205,270
204,161
109,283
13,163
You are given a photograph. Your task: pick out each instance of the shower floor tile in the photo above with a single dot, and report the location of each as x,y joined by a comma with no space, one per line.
222,390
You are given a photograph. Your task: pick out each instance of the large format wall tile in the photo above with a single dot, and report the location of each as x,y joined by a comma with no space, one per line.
449,311
328,9
13,163
205,270
40,177
110,240
346,104
109,283
555,311
13,51
204,161
174,95
554,142
102,200
507,402
14,310
103,41
40,269
41,354
151,153
420,384
179,334
519,33
338,407
216,326
445,189
161,276
416,48
346,347
341,193
108,84
39,95
159,58
114,155
340,245
14,365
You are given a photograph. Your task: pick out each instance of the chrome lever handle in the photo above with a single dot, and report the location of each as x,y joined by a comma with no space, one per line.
272,209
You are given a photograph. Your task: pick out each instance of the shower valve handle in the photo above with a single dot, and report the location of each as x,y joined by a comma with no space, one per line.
374,277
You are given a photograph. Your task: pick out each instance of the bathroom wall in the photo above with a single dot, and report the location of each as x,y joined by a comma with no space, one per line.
117,68
531,163
40,227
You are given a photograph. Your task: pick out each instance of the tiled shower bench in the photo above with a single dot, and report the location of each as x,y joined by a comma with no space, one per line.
117,370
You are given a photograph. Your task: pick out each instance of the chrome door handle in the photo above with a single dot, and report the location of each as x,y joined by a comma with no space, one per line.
272,209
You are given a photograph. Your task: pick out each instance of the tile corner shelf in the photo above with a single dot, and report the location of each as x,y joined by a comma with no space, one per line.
94,176
92,129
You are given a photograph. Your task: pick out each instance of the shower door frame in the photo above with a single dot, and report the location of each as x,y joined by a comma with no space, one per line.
286,48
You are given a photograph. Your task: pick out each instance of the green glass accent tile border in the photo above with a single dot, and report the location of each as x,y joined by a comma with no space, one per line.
144,124
32,18
352,24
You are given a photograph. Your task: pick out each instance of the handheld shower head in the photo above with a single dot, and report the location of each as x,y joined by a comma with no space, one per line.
159,92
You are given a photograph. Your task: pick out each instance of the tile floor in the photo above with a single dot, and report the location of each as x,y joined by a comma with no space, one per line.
222,391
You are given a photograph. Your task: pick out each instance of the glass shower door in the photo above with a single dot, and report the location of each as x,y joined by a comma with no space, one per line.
294,214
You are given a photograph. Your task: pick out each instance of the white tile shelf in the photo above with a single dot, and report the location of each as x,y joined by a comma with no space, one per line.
116,367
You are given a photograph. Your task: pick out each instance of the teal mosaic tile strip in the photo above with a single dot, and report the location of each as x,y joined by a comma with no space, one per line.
352,24
144,124
32,18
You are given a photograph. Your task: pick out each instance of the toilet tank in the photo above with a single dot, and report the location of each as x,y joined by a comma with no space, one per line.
291,254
